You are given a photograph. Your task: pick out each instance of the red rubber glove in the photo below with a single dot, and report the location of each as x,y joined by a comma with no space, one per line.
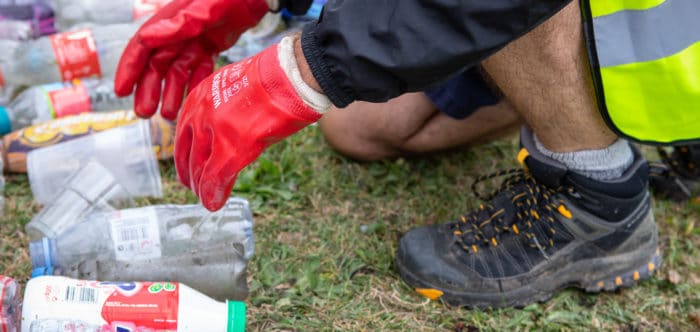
230,118
178,45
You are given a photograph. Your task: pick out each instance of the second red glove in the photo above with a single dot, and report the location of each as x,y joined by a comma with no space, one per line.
177,45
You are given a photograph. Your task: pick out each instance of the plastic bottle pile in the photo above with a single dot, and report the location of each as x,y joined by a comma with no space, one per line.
100,261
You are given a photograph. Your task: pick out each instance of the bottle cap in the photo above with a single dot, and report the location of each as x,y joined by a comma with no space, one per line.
236,316
41,253
5,123
42,271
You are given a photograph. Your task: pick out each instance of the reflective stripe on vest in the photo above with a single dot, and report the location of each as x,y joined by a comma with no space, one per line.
646,66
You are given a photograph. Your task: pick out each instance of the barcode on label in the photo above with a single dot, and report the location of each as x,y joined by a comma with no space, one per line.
87,295
133,233
136,235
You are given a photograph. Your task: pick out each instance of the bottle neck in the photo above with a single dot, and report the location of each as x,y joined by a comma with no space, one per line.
5,122
236,316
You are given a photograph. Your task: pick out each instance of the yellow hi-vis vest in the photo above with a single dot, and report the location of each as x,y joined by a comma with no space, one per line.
645,61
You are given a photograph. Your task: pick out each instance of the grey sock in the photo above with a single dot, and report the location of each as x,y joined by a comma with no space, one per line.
604,164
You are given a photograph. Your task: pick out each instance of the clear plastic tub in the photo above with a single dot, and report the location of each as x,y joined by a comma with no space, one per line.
127,152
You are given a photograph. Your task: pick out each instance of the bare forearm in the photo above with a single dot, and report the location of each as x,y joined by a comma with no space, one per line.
304,68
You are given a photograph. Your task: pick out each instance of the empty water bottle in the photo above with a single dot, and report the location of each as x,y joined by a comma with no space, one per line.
61,57
9,304
62,304
73,12
184,243
270,30
48,101
2,189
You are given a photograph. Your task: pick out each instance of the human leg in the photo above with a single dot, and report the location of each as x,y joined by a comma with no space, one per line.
462,111
410,125
577,214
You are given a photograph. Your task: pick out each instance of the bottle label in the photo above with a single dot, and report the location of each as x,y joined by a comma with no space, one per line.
67,99
76,54
114,306
18,143
147,7
135,234
163,137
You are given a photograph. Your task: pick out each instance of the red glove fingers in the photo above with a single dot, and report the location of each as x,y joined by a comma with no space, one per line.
185,19
207,27
193,58
230,118
149,88
131,64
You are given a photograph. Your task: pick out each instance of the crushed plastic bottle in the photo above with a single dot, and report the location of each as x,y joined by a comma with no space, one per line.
53,303
184,243
15,146
92,189
25,21
270,30
56,100
15,30
10,303
70,13
63,57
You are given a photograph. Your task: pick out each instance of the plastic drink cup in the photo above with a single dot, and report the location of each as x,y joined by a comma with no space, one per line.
125,151
91,189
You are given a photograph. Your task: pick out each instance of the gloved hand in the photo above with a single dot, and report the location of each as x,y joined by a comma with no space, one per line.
178,45
233,115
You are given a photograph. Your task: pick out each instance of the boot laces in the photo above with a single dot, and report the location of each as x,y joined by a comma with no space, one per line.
532,203
682,161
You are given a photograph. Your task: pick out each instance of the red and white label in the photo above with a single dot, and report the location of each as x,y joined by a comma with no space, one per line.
71,100
147,7
76,54
149,304
112,306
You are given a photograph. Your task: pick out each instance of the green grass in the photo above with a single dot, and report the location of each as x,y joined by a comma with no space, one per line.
327,229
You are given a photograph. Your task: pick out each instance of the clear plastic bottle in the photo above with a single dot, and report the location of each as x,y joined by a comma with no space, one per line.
65,325
184,243
10,303
15,30
73,12
88,52
56,100
2,189
53,303
270,30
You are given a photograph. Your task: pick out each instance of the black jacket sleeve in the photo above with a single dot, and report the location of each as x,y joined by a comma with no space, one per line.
374,50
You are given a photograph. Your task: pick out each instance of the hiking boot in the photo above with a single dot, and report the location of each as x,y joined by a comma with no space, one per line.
546,228
676,176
